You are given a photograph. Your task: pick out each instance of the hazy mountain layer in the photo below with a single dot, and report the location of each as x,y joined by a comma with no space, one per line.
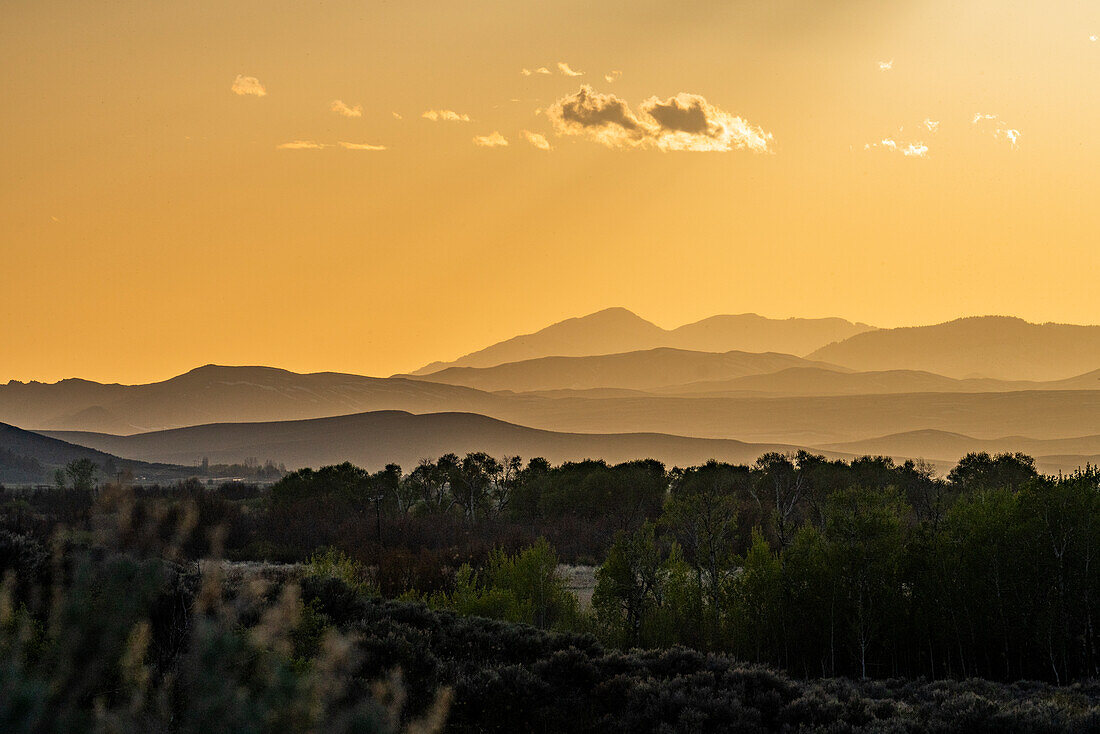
219,395
815,420
988,346
826,381
642,370
950,446
373,439
214,393
617,330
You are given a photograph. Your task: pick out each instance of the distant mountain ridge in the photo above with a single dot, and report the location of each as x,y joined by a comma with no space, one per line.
617,330
813,380
638,370
216,393
1001,347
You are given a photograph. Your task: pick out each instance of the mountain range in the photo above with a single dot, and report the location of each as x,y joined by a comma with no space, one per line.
610,384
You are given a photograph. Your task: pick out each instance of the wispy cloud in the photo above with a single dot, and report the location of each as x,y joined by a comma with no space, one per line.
537,140
1000,130
540,70
492,140
686,122
301,145
564,69
909,150
611,76
886,65
316,145
248,86
361,146
340,108
445,116
932,125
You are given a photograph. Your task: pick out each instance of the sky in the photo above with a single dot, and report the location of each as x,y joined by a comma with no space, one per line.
369,186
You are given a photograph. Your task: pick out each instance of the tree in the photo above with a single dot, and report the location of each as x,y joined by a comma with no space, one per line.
82,474
629,584
1004,471
866,542
702,515
756,601
779,486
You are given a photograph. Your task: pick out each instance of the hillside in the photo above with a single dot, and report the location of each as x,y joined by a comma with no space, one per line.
374,439
31,458
219,394
988,346
642,370
616,330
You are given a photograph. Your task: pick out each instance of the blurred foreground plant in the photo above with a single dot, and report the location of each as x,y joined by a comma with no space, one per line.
115,636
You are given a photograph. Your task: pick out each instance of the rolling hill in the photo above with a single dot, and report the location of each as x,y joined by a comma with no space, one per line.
617,330
642,370
988,346
376,438
31,458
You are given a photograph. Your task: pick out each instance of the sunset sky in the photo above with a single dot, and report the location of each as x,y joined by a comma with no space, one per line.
366,187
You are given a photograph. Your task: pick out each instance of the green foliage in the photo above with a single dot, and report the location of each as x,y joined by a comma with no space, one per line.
332,563
525,587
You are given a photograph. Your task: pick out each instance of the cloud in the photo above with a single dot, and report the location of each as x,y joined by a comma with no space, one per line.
611,76
1009,134
564,69
886,65
932,125
340,108
1000,130
686,122
361,146
248,86
909,150
539,141
493,140
301,145
1094,38
445,116
540,70
397,116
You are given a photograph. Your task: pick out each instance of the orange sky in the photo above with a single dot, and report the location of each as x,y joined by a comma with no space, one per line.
150,220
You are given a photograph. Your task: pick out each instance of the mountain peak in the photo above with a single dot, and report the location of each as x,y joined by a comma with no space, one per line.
617,329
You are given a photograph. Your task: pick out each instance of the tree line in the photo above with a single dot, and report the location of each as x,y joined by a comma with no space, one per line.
862,568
